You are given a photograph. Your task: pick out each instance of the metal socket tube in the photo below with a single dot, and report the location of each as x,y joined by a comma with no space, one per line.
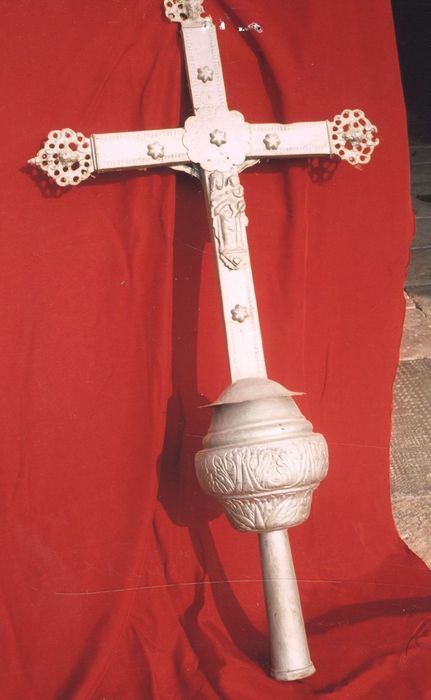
290,657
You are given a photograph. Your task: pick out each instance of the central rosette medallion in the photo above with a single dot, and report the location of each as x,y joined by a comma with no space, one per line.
217,139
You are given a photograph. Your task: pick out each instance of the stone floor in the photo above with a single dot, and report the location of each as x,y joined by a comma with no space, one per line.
411,434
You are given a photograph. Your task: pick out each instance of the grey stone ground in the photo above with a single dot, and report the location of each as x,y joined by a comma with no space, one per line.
411,433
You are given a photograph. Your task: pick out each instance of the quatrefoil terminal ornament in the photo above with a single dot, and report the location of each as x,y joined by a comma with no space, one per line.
353,137
183,10
66,157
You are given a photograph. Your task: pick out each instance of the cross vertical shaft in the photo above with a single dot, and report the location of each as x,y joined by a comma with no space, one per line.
224,195
226,210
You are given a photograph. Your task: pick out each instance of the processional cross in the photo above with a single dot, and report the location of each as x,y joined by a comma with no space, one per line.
261,458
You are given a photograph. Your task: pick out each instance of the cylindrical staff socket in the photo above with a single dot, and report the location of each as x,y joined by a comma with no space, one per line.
290,657
262,461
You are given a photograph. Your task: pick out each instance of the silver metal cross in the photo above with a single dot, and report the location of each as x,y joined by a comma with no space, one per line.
215,145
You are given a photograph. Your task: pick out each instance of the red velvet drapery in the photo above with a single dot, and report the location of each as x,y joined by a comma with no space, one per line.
120,580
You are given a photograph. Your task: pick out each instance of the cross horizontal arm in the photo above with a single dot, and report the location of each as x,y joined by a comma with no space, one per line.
69,157
139,149
284,140
349,135
214,139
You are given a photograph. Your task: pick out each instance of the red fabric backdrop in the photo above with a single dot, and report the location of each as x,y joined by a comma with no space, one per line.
120,580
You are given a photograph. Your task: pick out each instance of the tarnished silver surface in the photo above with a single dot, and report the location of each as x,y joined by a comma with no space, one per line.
216,138
290,657
226,206
66,156
227,201
262,461
261,457
139,149
353,138
183,10
289,140
203,59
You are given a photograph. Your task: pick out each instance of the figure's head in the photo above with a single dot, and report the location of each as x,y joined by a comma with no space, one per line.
217,180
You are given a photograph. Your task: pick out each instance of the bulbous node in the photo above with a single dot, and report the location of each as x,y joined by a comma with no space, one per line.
261,458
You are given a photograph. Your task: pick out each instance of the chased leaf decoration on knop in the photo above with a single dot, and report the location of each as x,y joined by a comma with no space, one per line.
265,487
271,512
254,469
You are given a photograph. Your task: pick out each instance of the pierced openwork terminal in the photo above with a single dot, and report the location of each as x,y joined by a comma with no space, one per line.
66,157
261,458
183,10
353,137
